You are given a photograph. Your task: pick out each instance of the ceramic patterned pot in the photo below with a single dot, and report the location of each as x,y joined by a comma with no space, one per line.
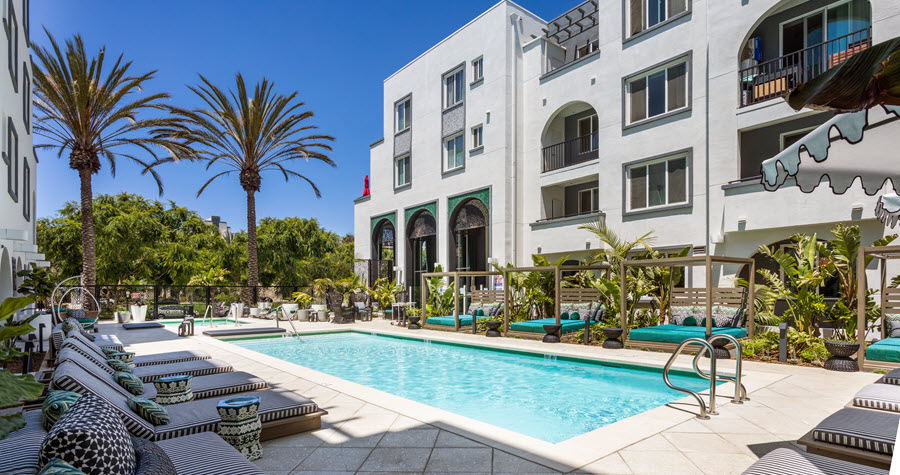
240,425
173,389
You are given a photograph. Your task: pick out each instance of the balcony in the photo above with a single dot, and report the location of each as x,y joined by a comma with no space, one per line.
571,152
775,78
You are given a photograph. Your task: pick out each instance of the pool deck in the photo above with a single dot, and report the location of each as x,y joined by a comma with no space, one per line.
369,431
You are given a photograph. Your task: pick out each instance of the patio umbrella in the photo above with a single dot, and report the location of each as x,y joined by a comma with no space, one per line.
865,91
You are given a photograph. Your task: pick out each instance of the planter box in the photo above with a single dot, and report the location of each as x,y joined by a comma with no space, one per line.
139,313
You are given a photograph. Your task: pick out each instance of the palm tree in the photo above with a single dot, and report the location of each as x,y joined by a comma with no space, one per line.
88,112
249,135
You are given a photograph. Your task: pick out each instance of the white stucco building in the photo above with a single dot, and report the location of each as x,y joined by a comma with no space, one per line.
19,165
505,137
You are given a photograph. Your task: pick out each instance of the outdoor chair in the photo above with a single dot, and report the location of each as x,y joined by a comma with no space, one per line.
784,460
281,412
147,360
397,311
153,372
856,435
204,453
211,385
102,340
360,300
342,314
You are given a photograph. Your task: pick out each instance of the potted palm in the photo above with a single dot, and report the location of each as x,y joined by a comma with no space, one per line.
320,288
302,300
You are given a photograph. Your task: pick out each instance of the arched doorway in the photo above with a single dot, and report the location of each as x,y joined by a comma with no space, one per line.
383,241
421,249
469,238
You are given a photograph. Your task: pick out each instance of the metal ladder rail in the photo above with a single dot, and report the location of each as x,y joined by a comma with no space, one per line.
704,413
209,312
740,393
290,322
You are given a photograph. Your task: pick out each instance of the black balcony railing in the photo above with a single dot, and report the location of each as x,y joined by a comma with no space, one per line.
775,78
568,153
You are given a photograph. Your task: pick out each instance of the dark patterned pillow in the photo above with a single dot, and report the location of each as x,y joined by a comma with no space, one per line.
117,365
150,459
895,329
109,351
55,405
149,410
91,437
132,383
59,467
123,357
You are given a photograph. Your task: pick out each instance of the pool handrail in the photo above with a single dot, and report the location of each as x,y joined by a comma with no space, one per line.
208,311
740,392
704,412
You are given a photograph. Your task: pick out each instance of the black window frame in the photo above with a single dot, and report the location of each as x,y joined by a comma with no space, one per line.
26,189
12,35
26,97
11,157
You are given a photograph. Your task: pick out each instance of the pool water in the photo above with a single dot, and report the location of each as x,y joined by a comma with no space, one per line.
203,323
543,397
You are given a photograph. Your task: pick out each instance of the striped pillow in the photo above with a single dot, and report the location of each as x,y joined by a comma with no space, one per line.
149,410
132,383
117,365
55,405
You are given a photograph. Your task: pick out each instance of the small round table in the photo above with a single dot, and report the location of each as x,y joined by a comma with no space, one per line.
718,345
493,328
612,340
240,425
552,333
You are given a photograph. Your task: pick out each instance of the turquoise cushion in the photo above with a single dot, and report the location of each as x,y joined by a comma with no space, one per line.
449,321
132,383
59,467
149,410
117,365
887,349
677,334
123,357
689,321
537,326
574,316
56,403
109,351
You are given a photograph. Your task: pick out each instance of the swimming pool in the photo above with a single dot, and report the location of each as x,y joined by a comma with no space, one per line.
552,399
204,323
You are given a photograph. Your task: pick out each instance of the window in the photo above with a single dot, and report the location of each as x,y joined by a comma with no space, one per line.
402,175
26,19
26,98
825,24
453,88
657,183
454,152
587,134
478,136
645,14
477,69
790,138
657,92
587,49
13,36
403,111
26,187
588,201
12,159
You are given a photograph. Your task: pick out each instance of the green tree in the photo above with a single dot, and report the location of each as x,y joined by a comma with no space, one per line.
284,245
249,135
90,112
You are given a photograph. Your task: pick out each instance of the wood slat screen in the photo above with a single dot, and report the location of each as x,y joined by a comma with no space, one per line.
722,296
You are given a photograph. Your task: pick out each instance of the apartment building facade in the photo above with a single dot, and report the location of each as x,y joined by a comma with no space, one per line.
654,115
18,221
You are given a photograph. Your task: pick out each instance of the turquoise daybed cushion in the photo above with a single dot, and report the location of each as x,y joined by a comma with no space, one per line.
887,349
679,333
537,326
449,321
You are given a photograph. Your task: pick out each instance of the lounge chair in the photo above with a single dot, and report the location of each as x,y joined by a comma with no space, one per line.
856,435
101,340
885,397
146,360
281,412
892,377
153,372
787,461
210,385
197,454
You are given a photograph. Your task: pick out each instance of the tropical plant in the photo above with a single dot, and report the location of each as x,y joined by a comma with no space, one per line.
383,291
302,299
37,284
90,112
321,287
248,135
13,390
439,302
763,306
11,330
659,278
803,272
214,276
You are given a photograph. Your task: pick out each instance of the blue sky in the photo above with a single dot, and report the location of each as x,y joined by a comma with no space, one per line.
336,54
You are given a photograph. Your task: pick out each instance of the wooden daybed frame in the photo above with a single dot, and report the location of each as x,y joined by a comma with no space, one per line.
708,296
482,296
848,454
890,300
567,295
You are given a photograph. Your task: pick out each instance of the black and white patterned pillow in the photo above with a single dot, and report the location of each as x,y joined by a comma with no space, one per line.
91,437
150,459
895,329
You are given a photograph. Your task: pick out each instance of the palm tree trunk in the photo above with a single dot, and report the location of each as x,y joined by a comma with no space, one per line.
252,261
88,251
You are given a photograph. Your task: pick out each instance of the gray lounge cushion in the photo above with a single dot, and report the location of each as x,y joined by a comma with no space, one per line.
152,372
101,340
786,461
860,428
147,360
893,377
21,448
879,396
206,454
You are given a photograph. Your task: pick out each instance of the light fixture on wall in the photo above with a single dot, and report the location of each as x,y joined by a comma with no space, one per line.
742,224
539,249
587,244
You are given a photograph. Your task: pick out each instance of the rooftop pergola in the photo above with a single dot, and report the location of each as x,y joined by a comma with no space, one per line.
690,261
455,277
883,254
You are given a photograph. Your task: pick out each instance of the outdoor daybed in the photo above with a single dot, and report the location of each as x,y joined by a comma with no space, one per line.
887,350
855,435
678,333
485,302
537,326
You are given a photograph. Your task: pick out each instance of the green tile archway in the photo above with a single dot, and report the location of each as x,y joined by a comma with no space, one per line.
484,195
